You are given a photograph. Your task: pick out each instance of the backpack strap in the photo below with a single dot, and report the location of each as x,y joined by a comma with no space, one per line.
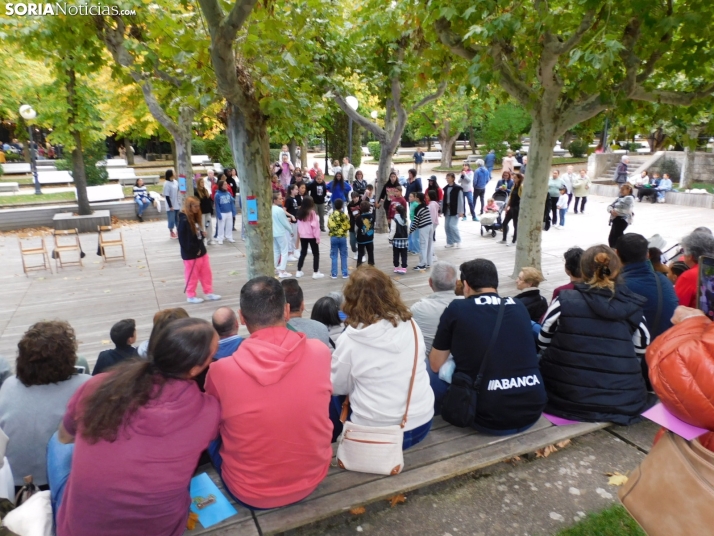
491,344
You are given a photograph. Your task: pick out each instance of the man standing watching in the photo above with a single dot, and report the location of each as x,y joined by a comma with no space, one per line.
490,160
452,206
466,181
481,179
348,170
274,447
418,158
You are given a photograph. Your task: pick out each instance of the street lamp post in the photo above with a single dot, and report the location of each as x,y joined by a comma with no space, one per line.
353,103
28,114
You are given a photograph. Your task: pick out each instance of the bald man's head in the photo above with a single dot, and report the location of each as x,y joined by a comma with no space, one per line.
225,322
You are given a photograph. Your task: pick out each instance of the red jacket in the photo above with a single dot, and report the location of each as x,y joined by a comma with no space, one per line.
214,189
681,364
275,393
686,287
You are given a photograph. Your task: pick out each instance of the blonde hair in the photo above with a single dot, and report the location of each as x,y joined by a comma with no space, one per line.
532,276
600,267
193,219
371,296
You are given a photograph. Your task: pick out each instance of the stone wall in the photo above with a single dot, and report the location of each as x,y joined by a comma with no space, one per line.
703,168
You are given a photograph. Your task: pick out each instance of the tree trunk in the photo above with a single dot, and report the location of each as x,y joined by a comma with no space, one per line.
248,137
78,173
129,152
535,191
447,145
428,143
303,154
292,149
385,167
174,160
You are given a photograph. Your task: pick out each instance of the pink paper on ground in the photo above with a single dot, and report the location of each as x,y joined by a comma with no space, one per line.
559,421
663,417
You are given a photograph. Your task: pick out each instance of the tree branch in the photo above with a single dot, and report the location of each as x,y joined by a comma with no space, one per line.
678,98
361,120
429,98
237,17
166,77
401,114
589,20
455,42
212,11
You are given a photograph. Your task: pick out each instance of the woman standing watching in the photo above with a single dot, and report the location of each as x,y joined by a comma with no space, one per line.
512,209
424,228
225,212
374,357
620,214
170,193
138,432
204,197
554,185
339,189
390,189
196,265
141,198
581,187
603,381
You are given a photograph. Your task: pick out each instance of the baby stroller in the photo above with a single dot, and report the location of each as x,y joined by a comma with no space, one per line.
492,221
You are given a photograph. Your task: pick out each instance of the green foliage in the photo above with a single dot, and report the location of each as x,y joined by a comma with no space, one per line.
506,123
12,157
614,521
275,155
374,149
93,153
669,166
198,146
632,146
2,171
219,150
338,139
578,148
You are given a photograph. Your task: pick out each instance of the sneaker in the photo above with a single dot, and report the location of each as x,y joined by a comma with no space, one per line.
141,218
299,274
354,256
559,227
211,242
220,242
402,270
231,241
396,270
318,275
195,300
463,219
449,246
458,245
213,297
345,276
284,275
413,253
420,267
474,218
511,244
292,258
331,276
503,241
364,258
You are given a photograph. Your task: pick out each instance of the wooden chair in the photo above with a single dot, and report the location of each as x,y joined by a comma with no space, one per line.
105,242
31,251
70,244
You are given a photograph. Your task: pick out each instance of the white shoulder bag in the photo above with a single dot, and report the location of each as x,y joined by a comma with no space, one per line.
374,449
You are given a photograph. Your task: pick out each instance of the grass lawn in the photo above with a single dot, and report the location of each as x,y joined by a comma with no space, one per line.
615,521
709,187
44,199
18,180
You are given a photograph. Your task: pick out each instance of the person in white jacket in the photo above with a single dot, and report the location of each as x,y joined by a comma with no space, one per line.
569,179
374,358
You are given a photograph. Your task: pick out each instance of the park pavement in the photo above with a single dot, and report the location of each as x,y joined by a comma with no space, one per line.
98,294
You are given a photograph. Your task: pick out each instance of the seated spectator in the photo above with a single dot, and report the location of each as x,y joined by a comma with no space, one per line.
138,432
123,335
695,245
327,313
161,319
639,276
339,300
274,392
655,255
572,269
648,188
141,198
602,381
664,186
374,358
427,311
33,401
312,328
226,324
528,280
465,330
680,363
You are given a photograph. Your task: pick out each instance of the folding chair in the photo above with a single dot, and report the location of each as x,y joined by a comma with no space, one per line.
105,242
69,244
31,251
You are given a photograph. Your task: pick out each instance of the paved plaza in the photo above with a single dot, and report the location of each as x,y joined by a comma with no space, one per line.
95,296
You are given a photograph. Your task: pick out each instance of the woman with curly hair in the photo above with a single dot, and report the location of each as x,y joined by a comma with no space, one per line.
593,338
45,380
374,357
138,432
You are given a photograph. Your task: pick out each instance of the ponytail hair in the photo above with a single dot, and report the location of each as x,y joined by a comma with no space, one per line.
179,347
600,267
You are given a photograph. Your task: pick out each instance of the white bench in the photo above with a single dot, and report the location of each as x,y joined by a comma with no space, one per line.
112,163
9,187
105,192
200,160
54,177
432,155
16,167
128,176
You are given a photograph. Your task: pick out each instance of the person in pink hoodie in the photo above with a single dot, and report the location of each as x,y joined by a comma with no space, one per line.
275,390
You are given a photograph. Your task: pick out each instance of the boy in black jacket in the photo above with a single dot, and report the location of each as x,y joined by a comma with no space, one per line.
353,211
123,335
365,233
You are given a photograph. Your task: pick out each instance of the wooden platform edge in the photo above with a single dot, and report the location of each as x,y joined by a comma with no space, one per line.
245,527
301,514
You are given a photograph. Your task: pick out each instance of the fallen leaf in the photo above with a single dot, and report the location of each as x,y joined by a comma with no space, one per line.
358,511
563,444
107,291
514,460
233,272
616,479
545,451
106,341
394,501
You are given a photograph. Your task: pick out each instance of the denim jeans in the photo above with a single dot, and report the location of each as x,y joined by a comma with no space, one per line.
469,196
171,215
338,247
59,463
439,387
143,205
353,241
451,226
562,212
413,242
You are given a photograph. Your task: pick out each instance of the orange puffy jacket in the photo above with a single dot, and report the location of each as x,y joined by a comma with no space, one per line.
681,364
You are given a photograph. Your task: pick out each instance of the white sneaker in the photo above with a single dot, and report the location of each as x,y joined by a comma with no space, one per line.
231,241
354,256
318,275
284,275
434,258
211,242
213,297
292,258
449,246
195,300
220,242
299,274
559,227
364,258
458,245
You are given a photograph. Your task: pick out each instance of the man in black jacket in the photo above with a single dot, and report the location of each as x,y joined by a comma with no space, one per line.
123,335
452,206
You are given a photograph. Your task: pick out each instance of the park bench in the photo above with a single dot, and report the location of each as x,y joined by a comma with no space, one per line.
15,168
446,452
112,163
128,176
54,177
105,192
200,160
471,159
9,187
432,156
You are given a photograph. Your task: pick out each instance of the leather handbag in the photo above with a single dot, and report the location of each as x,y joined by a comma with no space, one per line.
375,449
672,491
